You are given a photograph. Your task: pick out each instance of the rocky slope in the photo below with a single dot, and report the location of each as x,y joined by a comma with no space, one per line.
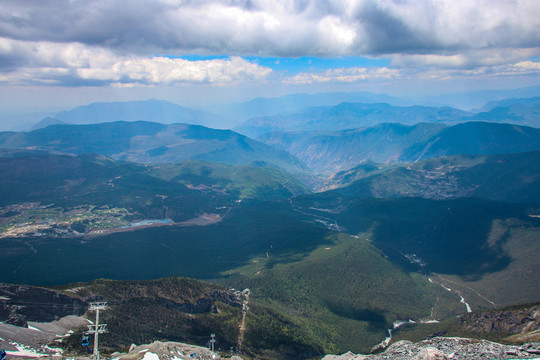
441,348
514,322
20,304
166,350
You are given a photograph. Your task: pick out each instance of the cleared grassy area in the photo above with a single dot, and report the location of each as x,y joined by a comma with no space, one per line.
519,282
344,294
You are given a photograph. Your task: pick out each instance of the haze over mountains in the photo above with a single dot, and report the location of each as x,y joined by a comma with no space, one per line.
150,110
307,112
350,116
340,219
147,142
218,116
330,151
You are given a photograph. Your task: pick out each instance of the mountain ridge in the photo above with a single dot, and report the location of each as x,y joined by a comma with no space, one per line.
350,116
332,151
147,142
161,111
506,177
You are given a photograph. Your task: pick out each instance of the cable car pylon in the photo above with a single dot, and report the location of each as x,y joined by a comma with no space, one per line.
96,329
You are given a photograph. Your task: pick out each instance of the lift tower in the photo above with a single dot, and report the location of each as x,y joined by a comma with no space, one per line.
96,329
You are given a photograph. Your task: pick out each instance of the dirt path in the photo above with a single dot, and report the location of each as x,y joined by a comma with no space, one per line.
245,309
462,299
326,221
470,288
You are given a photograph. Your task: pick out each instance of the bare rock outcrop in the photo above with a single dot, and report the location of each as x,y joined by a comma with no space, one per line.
20,304
512,321
166,351
430,353
441,348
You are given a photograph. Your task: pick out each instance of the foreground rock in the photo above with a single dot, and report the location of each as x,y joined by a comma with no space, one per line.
441,348
168,350
38,339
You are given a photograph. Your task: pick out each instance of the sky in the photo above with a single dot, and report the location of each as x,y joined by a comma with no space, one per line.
58,54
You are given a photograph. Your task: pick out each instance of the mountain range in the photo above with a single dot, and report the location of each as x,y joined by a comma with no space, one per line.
504,177
148,142
240,112
323,152
216,116
349,116
154,110
337,232
332,151
516,111
358,115
324,111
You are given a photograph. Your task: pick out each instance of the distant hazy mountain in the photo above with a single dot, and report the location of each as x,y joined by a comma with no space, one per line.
515,111
333,151
149,110
528,102
506,177
330,152
474,138
148,142
47,122
240,112
476,99
350,116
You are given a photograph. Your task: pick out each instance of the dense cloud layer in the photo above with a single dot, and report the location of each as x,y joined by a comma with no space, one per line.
101,40
277,28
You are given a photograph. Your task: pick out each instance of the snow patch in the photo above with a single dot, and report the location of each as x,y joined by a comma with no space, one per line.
23,350
33,328
466,305
55,350
150,356
396,325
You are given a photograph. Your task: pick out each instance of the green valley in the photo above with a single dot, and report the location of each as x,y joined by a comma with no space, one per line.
331,263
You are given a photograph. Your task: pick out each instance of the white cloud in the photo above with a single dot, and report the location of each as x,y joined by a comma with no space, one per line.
527,66
344,75
163,70
434,73
76,63
466,59
520,69
108,42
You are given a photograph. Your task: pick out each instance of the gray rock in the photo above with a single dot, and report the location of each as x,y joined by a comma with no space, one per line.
168,350
441,348
430,353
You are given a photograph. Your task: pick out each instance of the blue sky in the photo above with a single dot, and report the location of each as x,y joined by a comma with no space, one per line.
62,53
294,65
